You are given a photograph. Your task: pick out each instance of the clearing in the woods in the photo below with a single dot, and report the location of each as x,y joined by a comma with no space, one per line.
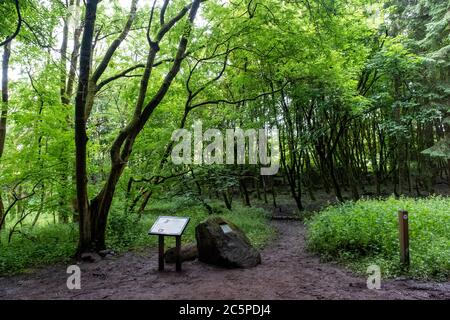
287,271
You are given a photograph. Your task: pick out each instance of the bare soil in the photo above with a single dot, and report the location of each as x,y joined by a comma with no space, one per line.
287,271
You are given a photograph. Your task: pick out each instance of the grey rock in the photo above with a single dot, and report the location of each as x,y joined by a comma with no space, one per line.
106,252
188,252
225,246
90,257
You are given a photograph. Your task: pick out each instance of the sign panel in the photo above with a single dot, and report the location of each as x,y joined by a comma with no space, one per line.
226,228
169,226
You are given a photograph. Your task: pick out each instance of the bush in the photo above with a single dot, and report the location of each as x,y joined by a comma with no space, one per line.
122,230
366,232
42,245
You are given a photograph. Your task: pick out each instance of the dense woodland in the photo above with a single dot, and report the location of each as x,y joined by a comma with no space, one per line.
92,91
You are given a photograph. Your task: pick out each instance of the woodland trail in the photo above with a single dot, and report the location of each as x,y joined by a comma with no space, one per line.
287,272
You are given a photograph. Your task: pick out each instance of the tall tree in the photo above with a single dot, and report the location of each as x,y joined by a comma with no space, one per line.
94,213
4,113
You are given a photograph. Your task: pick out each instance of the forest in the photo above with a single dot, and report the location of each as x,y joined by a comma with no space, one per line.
358,92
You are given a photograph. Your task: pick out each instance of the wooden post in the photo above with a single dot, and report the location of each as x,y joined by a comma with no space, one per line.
404,237
178,253
161,253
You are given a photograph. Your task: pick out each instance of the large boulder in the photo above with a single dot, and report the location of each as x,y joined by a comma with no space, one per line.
188,252
222,243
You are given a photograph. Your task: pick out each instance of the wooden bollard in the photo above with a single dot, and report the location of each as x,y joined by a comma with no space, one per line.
161,253
178,253
404,237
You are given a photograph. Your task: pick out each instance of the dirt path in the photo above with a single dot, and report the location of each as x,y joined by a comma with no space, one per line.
286,272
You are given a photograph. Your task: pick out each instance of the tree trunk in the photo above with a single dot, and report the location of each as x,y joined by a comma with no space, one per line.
226,200
337,188
93,215
447,137
274,195
245,195
264,189
4,113
310,184
63,57
147,194
257,188
87,222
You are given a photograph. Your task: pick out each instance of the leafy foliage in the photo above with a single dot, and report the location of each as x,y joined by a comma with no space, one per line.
366,232
358,89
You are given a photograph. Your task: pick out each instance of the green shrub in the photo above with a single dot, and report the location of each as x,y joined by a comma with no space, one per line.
42,245
122,230
366,232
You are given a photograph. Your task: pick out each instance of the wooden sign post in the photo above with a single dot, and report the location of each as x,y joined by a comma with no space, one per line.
169,226
404,237
160,252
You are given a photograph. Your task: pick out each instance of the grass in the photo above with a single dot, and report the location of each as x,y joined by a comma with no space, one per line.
366,232
42,245
253,221
49,243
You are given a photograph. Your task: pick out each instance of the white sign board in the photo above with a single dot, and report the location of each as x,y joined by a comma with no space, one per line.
169,226
226,228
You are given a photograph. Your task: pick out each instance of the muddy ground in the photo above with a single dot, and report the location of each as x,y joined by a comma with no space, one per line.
287,272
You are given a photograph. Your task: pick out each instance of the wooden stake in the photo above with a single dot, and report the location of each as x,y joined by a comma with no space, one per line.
404,237
178,253
161,253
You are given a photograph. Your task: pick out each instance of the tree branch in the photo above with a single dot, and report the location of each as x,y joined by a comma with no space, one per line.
115,44
19,24
167,26
163,12
125,72
237,101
